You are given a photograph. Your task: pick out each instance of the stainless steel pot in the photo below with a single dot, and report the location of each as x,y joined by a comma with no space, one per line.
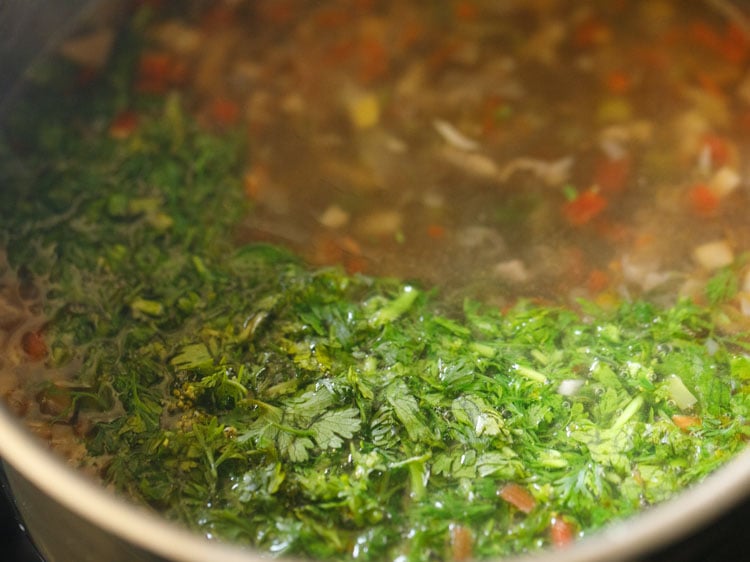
70,518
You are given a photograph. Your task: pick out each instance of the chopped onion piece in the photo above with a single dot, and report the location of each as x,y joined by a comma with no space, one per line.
334,217
90,50
552,173
474,162
713,255
512,270
745,304
724,181
570,387
381,223
178,37
454,137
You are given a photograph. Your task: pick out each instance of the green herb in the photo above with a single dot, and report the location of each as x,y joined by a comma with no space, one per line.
314,413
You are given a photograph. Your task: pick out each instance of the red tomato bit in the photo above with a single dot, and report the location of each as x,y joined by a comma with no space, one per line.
585,207
462,543
518,496
611,174
123,125
34,346
703,201
561,532
224,112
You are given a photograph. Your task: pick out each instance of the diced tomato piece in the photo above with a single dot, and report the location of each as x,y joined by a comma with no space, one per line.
732,45
157,71
466,10
743,120
276,12
686,422
349,244
591,32
619,82
709,83
719,149
736,45
705,35
411,33
373,60
224,112
154,65
585,207
703,201
462,543
517,496
436,231
355,264
34,346
219,16
612,174
614,231
365,5
561,532
124,124
256,181
598,280
333,18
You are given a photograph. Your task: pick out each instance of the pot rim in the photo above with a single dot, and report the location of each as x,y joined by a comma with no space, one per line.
634,536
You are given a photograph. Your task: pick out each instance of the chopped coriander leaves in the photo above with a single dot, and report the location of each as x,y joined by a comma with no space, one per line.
311,412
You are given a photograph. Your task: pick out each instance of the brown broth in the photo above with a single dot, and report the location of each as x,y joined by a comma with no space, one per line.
446,141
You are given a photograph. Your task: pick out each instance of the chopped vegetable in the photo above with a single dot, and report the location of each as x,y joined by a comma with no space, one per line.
562,532
584,207
518,497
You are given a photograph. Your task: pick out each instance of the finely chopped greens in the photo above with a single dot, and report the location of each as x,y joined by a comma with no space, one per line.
312,412
309,411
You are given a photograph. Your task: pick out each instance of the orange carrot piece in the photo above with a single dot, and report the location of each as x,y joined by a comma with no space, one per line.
684,422
517,496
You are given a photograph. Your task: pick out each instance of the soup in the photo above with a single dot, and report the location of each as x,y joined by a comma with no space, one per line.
385,280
